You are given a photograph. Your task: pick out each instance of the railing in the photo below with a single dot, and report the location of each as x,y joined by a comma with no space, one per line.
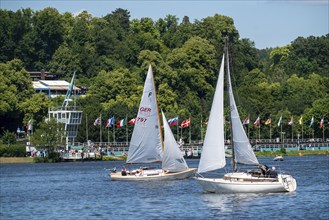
253,142
77,155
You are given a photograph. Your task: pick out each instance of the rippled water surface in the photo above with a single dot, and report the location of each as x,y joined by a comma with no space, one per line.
82,190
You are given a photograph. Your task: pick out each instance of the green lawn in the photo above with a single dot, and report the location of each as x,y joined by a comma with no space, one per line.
16,160
292,153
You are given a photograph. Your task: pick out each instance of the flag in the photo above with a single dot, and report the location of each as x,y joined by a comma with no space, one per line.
246,121
121,123
312,121
321,122
257,122
185,123
280,120
132,121
173,121
29,125
301,120
109,122
268,121
291,120
97,121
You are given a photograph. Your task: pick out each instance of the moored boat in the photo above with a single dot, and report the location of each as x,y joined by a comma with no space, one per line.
278,158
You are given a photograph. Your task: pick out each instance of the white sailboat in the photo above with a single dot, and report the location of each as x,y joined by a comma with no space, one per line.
213,153
146,145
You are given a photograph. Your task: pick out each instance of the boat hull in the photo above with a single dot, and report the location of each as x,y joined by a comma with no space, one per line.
160,176
278,158
284,183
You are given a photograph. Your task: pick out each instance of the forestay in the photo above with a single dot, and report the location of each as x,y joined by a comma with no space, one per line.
145,145
242,149
173,160
213,151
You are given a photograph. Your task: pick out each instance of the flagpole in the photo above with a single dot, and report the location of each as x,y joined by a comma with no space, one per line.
181,132
113,130
177,130
32,126
87,128
281,132
302,131
323,131
259,132
108,136
201,128
270,131
100,130
292,132
127,129
248,130
190,132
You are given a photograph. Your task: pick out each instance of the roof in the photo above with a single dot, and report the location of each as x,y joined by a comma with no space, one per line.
38,86
52,85
54,82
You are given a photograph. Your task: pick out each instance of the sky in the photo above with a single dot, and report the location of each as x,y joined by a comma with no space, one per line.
269,23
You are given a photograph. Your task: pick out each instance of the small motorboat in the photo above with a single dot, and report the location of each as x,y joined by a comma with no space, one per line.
278,158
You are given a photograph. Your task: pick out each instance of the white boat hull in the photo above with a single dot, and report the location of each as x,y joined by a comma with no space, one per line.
244,183
154,176
278,158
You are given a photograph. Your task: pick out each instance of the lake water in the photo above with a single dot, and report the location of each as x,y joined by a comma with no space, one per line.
83,190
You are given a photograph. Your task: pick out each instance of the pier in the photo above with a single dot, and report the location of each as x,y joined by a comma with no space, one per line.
195,148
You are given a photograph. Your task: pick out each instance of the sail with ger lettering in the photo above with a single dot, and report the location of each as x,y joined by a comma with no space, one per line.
145,145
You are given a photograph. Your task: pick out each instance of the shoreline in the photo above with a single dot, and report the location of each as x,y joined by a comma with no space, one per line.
19,160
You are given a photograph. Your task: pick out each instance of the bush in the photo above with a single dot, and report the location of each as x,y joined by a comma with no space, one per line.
283,150
54,157
9,137
15,150
40,160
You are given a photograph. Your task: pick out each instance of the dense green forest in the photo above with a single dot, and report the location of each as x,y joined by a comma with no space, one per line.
111,55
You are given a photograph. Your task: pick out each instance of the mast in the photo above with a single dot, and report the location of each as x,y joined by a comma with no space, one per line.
228,81
68,93
157,108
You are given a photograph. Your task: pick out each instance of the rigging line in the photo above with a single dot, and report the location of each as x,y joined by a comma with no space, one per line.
234,81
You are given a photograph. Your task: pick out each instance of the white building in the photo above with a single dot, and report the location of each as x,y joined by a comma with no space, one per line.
54,88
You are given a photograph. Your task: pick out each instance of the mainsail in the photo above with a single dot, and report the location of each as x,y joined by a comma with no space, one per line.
145,145
213,151
173,160
242,149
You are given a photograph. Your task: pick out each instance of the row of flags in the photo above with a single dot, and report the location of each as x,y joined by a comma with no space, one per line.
186,123
110,122
291,122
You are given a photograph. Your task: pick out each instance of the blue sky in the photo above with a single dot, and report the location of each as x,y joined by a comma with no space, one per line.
268,23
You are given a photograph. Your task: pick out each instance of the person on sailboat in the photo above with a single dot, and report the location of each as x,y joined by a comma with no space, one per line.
265,169
273,173
123,171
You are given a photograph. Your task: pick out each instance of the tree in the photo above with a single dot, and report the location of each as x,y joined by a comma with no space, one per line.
15,88
196,63
299,93
8,137
50,134
47,33
65,61
309,55
35,107
119,87
215,29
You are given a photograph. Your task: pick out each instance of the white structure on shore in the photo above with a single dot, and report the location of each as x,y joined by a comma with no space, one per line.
70,116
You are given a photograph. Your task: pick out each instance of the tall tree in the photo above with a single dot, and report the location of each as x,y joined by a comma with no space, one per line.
15,88
48,31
